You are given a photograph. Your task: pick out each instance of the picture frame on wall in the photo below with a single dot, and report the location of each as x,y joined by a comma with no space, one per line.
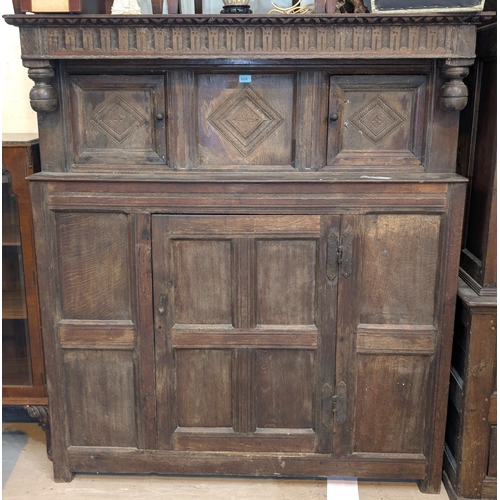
422,6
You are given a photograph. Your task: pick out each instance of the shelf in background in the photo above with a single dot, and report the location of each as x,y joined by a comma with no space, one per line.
13,306
11,237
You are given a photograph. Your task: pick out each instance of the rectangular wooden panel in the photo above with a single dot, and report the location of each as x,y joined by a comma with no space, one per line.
311,101
376,121
243,124
401,339
244,464
100,397
204,388
391,403
94,269
244,281
244,391
182,142
202,270
118,119
284,388
400,257
191,336
263,440
240,226
286,282
76,334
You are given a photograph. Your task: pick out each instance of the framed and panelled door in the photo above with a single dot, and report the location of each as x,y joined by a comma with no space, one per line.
103,329
387,334
245,321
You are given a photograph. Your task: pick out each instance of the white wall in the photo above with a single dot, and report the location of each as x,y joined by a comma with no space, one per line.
17,115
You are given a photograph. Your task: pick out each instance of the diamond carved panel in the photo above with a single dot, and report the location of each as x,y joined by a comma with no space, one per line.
118,119
245,120
377,120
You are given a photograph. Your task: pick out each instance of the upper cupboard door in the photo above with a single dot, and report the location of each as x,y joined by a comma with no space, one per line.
245,120
117,119
377,121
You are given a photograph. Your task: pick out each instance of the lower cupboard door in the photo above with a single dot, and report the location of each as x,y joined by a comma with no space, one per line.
102,340
245,326
387,333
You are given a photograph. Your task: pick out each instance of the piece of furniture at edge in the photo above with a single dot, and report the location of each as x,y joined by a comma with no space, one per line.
470,469
248,233
23,370
471,436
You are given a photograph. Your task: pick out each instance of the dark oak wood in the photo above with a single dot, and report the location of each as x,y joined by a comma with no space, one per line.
230,290
255,326
251,238
477,161
377,121
117,119
470,453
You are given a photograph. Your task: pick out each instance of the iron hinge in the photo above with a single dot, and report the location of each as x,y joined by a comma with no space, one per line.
339,254
339,403
334,403
340,250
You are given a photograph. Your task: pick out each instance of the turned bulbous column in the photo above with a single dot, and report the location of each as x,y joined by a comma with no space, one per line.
43,97
453,94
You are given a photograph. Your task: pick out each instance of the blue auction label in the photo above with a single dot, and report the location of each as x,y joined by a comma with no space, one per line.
245,78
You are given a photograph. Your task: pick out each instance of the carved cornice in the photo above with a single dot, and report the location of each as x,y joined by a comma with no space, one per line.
215,37
244,20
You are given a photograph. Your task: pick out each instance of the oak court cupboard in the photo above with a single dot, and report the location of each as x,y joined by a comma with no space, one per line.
248,234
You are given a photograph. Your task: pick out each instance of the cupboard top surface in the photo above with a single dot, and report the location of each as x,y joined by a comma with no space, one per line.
20,139
252,178
218,19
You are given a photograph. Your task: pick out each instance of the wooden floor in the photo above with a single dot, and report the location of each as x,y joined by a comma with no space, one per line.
31,477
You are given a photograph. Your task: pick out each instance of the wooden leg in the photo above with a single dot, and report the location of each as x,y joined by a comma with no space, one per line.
41,413
430,485
63,474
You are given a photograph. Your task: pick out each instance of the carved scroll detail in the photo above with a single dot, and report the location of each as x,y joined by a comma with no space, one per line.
41,413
